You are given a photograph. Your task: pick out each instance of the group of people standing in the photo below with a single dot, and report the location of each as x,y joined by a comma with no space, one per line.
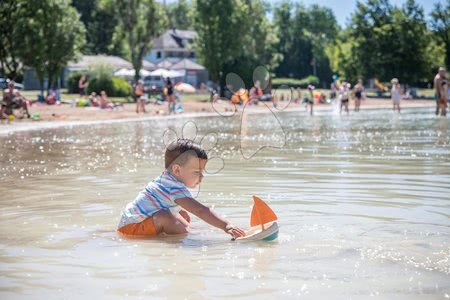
343,92
141,97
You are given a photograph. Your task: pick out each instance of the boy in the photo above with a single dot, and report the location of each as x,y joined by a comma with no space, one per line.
156,209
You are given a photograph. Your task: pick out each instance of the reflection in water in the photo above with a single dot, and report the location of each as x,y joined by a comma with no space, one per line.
363,202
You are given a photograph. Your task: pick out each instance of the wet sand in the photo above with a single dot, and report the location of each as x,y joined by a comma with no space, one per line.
128,111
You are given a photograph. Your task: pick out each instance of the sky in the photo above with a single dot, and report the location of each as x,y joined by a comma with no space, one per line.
343,9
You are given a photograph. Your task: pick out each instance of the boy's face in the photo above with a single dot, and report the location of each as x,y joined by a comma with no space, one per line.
191,173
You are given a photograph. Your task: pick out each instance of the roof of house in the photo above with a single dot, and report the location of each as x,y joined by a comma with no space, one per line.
186,64
164,64
174,39
86,62
148,65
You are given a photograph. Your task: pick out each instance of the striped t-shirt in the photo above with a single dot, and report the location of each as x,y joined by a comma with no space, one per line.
160,193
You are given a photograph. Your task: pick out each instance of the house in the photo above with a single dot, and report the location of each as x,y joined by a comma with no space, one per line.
174,50
173,45
195,73
84,64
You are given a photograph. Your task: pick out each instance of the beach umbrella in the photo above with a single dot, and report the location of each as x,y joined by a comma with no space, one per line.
159,72
143,73
184,87
130,73
166,73
124,72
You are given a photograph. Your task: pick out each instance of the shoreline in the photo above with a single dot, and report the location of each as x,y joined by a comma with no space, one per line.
53,116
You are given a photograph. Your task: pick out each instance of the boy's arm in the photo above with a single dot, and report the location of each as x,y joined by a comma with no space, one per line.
209,216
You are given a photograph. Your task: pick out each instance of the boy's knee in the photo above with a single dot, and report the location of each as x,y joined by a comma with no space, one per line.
166,222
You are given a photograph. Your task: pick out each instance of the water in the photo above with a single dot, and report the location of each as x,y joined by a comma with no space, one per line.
363,205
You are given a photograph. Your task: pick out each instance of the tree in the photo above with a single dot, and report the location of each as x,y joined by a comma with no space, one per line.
305,34
413,36
220,39
180,15
440,24
282,18
234,36
51,35
322,30
390,41
9,50
140,21
341,58
372,30
100,21
258,44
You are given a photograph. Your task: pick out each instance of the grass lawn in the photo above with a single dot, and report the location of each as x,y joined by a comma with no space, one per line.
280,93
67,98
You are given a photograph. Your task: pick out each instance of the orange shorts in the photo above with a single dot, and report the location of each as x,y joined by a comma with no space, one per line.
145,228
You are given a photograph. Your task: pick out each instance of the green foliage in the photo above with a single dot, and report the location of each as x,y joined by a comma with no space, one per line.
9,52
386,42
101,71
101,79
100,84
72,82
51,35
121,87
180,14
305,34
440,24
100,22
113,86
295,83
234,36
140,21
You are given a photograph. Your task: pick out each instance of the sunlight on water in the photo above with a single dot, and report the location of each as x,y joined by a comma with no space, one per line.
363,203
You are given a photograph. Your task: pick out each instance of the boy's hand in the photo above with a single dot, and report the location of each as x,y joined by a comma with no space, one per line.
234,231
185,215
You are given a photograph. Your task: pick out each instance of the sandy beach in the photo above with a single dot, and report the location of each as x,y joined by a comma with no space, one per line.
65,112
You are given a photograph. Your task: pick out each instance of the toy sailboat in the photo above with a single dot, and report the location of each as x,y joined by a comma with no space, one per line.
263,223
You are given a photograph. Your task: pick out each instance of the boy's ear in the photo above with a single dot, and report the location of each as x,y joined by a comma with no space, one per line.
175,168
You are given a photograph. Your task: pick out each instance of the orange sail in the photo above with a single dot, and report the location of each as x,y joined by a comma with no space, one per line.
261,213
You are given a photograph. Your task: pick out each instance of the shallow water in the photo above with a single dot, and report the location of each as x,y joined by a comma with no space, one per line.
363,203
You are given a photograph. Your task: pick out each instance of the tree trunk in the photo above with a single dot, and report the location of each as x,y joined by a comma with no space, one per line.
222,84
41,84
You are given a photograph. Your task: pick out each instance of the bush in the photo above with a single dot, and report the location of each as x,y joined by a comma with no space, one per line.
72,82
114,87
102,80
121,87
295,83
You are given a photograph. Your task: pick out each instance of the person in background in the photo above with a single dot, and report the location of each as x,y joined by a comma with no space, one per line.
438,91
82,85
396,94
310,98
358,91
93,100
104,102
170,95
343,96
140,97
443,95
333,91
12,99
255,93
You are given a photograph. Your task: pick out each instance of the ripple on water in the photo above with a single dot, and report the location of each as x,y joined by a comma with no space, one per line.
363,207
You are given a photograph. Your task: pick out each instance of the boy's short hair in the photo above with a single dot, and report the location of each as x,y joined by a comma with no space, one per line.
176,148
